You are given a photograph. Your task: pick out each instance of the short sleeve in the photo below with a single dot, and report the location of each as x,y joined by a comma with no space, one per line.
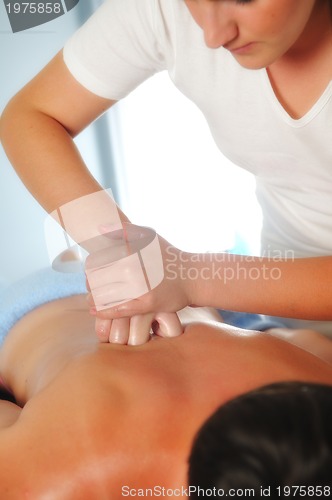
116,49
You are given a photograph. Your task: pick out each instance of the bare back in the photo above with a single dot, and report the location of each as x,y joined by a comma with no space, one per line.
96,416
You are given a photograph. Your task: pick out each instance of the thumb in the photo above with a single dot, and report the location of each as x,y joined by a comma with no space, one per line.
167,325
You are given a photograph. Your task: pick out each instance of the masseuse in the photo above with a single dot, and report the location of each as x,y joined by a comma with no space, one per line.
249,66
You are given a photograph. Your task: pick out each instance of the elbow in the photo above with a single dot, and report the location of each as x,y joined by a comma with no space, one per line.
9,121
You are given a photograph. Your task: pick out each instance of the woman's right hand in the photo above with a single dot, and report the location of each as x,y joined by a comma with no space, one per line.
138,272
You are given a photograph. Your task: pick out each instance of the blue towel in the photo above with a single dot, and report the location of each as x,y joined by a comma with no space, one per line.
251,321
36,289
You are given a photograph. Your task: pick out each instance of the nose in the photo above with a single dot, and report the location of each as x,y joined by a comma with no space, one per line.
219,27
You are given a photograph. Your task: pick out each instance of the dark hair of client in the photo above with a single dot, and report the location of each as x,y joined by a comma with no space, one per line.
277,435
6,396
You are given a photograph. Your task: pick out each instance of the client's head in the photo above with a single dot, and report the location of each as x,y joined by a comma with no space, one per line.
278,435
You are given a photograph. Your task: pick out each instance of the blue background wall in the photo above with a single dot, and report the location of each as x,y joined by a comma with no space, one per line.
22,55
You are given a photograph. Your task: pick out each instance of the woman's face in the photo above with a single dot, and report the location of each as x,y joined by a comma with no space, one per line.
259,32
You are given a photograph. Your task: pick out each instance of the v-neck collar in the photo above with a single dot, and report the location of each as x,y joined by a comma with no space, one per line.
308,116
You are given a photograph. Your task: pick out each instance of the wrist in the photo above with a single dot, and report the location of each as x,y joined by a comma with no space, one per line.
205,279
192,279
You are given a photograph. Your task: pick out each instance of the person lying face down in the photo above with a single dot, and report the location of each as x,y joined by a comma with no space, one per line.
95,420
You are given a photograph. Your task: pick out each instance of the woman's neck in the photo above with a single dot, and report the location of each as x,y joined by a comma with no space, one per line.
309,61
316,36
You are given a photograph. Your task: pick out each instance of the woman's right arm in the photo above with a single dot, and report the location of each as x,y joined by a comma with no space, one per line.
37,130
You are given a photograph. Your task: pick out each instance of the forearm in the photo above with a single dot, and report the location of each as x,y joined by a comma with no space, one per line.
37,130
299,288
45,157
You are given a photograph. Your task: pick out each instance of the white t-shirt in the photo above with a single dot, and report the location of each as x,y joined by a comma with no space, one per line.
126,41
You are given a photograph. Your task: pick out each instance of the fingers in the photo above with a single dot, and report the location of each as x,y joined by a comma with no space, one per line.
137,330
103,328
119,333
140,329
131,331
127,310
128,268
117,282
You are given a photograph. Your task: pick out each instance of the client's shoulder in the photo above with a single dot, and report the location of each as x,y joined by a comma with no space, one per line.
42,342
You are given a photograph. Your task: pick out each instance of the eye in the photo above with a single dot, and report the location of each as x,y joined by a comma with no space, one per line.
243,1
